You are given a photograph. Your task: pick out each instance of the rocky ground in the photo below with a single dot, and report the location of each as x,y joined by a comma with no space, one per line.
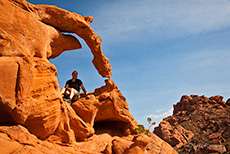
198,125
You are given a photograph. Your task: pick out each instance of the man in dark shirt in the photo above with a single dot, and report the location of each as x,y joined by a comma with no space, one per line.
73,86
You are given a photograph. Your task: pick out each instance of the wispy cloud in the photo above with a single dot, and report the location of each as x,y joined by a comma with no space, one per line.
159,117
204,59
159,110
162,19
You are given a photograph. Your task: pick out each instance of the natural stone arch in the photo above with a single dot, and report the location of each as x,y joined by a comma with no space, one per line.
66,21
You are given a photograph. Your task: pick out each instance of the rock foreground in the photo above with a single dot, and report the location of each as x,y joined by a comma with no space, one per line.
198,125
33,116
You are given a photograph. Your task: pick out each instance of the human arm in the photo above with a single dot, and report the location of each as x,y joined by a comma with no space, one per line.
67,87
84,90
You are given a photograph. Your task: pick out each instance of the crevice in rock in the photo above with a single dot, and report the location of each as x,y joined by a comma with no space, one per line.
113,128
6,119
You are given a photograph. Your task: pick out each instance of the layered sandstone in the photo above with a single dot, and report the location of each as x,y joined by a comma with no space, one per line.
198,125
34,118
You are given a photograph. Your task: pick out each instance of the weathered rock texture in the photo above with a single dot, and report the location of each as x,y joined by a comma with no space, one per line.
198,125
33,116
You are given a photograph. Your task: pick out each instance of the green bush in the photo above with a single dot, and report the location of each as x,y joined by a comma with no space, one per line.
141,129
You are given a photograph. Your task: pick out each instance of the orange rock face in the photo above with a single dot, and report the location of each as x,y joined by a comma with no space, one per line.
33,116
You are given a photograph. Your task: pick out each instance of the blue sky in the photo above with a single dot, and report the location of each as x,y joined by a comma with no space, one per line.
158,50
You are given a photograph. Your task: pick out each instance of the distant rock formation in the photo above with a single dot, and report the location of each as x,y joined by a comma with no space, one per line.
198,125
33,116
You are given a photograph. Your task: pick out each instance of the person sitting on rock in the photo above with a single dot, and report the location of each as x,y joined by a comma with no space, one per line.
72,88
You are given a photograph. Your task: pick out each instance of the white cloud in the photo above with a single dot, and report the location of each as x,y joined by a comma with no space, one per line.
156,118
159,110
159,117
129,20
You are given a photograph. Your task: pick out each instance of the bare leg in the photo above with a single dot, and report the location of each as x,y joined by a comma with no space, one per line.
73,92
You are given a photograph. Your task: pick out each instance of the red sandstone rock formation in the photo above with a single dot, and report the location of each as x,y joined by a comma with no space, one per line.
33,116
198,125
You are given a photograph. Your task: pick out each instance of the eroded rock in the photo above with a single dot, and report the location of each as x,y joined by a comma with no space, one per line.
198,125
34,118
